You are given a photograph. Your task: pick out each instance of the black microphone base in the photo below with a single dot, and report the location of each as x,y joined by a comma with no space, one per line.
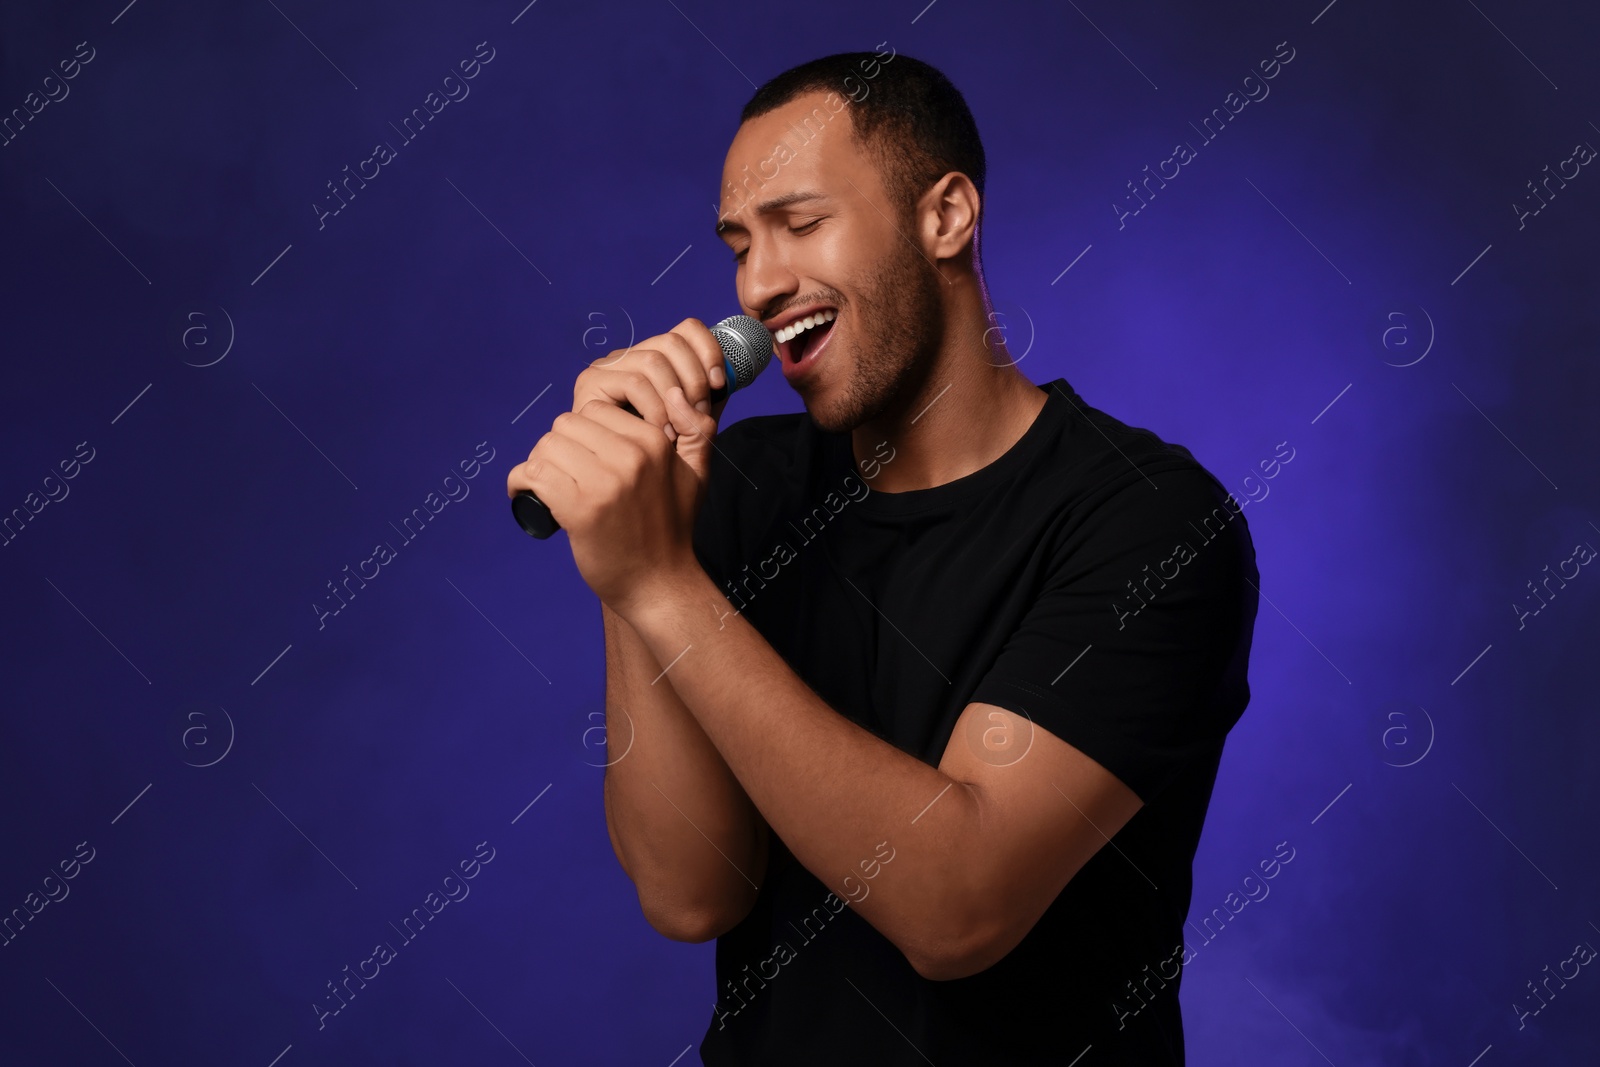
532,515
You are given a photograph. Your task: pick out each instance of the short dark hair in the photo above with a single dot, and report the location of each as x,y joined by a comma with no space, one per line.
908,110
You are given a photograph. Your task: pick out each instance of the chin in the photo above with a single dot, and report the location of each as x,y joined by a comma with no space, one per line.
825,418
830,414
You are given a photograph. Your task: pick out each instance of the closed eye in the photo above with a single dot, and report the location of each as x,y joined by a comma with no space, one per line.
799,231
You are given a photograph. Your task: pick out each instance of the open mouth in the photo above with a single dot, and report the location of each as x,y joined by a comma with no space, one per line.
803,335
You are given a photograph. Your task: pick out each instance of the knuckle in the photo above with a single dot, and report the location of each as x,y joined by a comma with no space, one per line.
639,455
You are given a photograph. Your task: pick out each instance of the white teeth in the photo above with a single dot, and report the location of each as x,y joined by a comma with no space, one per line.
793,330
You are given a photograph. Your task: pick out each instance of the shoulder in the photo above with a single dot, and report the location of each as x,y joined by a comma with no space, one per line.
1114,466
1125,489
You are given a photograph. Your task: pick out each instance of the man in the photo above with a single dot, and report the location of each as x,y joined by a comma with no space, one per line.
916,699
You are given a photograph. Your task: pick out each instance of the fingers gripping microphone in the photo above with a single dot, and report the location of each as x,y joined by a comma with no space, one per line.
746,349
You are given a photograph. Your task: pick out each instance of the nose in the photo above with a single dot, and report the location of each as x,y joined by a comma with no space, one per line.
765,276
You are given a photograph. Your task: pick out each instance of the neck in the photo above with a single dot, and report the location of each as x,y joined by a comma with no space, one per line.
968,407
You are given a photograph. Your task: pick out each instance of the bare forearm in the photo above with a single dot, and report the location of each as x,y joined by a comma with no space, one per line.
834,792
683,828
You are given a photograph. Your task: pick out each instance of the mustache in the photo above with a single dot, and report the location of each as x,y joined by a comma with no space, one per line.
826,296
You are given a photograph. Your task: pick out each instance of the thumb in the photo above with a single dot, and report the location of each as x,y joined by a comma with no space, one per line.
695,432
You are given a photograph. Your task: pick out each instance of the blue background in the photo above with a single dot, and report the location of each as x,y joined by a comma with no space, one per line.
1341,269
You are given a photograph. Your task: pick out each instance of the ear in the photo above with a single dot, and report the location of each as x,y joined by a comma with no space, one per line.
949,215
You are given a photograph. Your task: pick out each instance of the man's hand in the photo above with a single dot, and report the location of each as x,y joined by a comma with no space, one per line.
627,488
687,356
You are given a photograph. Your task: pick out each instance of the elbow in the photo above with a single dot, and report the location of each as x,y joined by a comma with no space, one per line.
947,965
694,922
956,962
962,951
693,926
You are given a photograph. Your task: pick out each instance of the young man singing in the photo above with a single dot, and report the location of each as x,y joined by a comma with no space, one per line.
923,690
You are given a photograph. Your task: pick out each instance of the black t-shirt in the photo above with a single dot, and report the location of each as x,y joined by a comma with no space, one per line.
1096,579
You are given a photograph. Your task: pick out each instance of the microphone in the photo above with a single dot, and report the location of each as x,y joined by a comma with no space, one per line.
746,350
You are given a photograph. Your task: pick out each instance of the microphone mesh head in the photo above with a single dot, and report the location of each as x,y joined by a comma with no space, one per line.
747,345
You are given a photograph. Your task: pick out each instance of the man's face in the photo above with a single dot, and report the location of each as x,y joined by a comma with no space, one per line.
813,231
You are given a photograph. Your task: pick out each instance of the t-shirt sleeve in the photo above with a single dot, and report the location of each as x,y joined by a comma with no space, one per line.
1135,647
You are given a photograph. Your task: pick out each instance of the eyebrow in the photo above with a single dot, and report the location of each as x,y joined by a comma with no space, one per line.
768,206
